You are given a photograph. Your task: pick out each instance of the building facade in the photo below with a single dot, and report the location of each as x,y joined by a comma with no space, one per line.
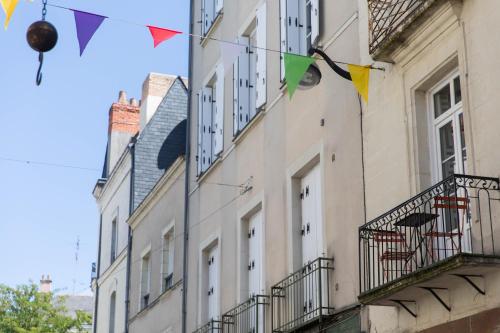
275,193
429,255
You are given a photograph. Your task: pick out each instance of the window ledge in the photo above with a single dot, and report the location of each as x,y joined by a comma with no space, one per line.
204,39
212,166
243,133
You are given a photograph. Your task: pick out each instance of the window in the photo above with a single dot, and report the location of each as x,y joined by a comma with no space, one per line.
114,239
210,9
168,260
211,121
145,280
112,312
254,259
249,73
299,26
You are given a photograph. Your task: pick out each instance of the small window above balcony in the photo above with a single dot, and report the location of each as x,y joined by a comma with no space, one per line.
390,22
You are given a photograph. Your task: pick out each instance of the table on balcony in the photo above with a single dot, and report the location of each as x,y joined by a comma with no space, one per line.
415,221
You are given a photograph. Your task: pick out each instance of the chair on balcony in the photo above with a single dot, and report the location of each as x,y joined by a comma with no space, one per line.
439,235
396,259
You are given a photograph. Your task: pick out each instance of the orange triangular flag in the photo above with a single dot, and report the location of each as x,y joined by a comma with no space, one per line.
161,34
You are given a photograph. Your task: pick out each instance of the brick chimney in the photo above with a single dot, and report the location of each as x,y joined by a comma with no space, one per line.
154,88
124,121
45,284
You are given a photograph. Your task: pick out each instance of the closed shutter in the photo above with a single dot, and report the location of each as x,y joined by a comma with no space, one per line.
218,6
261,57
200,131
292,25
219,112
255,254
213,292
283,46
235,98
252,111
206,153
315,28
244,85
209,15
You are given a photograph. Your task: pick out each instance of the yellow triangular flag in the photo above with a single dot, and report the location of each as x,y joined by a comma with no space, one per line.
360,76
8,7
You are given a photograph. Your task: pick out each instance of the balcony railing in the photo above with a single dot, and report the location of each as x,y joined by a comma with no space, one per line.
303,297
454,217
388,18
249,316
213,326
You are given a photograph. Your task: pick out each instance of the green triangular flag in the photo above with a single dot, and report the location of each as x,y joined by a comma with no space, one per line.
295,68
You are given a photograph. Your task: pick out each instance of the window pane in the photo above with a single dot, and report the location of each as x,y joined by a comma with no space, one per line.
457,89
462,143
442,101
447,150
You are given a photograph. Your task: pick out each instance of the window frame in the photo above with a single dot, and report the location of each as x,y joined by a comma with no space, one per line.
170,232
145,256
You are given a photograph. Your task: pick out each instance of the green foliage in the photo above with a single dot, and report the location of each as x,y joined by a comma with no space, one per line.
26,310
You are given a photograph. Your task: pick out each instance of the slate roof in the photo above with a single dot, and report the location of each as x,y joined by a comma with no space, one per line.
161,142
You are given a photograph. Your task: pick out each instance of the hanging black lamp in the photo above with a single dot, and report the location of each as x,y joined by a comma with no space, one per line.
42,37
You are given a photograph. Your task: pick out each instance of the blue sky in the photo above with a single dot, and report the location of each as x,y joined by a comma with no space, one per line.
64,121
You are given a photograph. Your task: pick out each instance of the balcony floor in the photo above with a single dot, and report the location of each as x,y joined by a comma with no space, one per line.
435,276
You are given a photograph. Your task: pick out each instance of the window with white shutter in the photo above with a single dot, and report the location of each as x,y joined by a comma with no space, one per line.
211,121
299,27
249,73
210,9
167,260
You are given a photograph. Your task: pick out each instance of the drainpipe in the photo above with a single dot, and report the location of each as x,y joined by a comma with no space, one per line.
131,148
187,178
96,302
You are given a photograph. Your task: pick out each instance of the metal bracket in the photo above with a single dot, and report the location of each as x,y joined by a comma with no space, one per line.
401,302
432,290
467,277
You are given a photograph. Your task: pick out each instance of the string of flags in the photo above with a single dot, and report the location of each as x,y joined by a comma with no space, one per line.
295,65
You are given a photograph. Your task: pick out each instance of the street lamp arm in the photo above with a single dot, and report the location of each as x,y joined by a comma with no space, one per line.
345,74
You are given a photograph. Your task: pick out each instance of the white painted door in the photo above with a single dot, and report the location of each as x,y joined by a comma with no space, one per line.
451,158
213,283
311,239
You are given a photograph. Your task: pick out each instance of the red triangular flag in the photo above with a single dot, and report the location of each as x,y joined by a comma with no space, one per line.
161,34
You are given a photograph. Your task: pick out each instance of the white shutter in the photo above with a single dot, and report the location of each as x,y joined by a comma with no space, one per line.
209,15
292,24
283,34
213,285
314,22
243,85
235,98
261,57
304,8
206,153
200,131
218,6
254,254
219,112
252,110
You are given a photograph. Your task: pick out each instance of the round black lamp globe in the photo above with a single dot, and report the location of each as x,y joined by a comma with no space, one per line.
42,36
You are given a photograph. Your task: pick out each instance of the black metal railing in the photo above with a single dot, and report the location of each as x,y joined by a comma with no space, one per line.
210,327
249,316
303,297
453,217
387,18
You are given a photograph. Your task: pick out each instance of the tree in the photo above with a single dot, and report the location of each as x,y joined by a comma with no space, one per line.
26,310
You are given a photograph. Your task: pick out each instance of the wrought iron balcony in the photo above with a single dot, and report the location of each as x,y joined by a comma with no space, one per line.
210,327
249,316
388,20
453,223
302,298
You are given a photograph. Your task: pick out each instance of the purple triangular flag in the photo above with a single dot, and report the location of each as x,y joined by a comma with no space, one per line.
86,25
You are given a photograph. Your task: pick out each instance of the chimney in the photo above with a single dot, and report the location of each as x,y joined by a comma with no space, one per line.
124,120
45,284
154,88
